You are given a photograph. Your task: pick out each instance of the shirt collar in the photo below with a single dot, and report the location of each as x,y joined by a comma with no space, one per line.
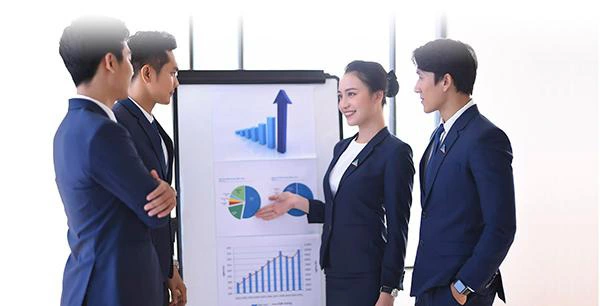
146,114
448,124
105,108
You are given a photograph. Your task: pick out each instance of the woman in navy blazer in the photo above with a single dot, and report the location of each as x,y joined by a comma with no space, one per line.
368,189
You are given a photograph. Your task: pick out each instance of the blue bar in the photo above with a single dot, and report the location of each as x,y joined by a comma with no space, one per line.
299,272
244,281
238,288
262,277
262,133
256,278
275,274
253,134
271,132
287,275
248,133
269,275
280,272
293,273
250,281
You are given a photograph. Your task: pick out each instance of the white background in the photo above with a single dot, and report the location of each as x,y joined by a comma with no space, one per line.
537,79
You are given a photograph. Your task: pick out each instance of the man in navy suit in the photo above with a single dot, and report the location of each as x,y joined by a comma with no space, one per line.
154,81
467,190
110,198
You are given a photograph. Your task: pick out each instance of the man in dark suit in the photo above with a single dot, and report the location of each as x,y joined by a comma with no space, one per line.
111,200
154,81
467,191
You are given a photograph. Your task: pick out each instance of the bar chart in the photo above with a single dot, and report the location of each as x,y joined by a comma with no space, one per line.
264,132
282,273
271,267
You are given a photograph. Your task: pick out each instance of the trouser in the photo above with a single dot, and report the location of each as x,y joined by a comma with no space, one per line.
442,296
352,290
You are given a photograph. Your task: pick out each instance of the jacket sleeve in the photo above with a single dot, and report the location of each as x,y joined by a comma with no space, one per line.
316,211
114,163
490,163
398,183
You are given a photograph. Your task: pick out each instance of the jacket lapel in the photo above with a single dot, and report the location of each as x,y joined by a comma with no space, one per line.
364,153
437,158
150,133
169,144
345,143
422,165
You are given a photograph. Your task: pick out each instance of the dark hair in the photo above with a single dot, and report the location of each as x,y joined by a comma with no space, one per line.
375,77
443,56
150,48
86,41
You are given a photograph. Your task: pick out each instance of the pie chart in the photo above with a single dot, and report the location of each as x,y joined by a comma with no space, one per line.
244,202
301,190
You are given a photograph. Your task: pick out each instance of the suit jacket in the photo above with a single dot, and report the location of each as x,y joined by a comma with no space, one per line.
152,155
374,191
468,210
103,185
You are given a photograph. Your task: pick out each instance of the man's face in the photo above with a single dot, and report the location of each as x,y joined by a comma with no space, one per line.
432,95
163,84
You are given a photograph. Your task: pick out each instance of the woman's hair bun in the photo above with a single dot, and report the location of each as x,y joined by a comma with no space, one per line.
392,85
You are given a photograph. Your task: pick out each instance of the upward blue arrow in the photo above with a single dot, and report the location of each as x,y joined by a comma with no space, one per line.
282,101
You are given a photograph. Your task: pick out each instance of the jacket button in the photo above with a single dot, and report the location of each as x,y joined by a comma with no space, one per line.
424,215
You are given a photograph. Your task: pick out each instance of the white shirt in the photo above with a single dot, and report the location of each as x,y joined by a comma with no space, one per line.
343,163
448,124
105,108
151,119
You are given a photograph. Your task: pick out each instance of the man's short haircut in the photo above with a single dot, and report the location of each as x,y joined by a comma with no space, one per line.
449,56
86,41
150,48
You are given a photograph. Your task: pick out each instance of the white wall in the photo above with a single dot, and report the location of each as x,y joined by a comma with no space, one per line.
538,80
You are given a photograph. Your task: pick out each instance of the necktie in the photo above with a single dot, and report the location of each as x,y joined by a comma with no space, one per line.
159,139
434,150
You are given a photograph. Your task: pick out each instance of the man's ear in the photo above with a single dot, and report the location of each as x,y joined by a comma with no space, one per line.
109,62
146,73
447,82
